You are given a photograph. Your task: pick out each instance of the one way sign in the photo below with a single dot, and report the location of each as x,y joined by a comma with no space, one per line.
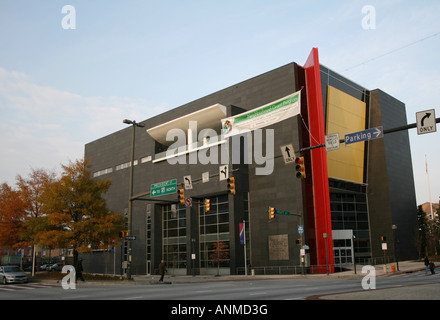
288,153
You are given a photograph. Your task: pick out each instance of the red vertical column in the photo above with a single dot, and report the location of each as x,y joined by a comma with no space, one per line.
321,192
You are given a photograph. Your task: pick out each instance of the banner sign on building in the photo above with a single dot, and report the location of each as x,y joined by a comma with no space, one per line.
261,117
241,233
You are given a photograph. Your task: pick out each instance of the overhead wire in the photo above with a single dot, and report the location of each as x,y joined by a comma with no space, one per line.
393,51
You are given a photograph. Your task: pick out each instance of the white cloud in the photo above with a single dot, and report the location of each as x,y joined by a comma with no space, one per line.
43,127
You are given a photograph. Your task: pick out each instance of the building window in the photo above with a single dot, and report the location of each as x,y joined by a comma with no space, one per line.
126,165
102,172
174,236
214,234
348,203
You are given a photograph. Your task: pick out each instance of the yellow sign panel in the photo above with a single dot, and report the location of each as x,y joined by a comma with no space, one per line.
345,114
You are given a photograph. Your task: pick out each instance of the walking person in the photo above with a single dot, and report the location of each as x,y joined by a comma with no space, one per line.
432,267
426,265
162,270
79,270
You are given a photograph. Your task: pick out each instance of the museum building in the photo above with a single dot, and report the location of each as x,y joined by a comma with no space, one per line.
352,196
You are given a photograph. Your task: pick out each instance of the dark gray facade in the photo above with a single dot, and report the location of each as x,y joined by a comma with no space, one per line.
391,184
280,189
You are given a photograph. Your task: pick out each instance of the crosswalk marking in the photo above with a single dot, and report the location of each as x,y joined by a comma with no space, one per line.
416,274
15,287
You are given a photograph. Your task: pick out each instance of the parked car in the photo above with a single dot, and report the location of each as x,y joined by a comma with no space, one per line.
55,267
45,267
12,274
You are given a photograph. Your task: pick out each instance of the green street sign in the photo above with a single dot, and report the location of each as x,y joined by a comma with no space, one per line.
163,188
282,212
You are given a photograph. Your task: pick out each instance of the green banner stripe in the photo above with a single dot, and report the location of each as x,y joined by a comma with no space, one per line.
267,109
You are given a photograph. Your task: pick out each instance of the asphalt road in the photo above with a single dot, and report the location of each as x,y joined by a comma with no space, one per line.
387,287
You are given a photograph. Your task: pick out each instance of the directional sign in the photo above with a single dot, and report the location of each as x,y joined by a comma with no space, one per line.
288,154
223,172
163,188
365,135
282,212
332,142
426,122
187,182
130,238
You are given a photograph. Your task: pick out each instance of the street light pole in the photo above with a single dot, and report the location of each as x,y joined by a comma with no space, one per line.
130,195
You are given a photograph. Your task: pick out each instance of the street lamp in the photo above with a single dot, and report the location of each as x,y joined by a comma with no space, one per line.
130,195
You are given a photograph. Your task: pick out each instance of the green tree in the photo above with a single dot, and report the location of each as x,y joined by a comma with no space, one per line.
77,214
31,190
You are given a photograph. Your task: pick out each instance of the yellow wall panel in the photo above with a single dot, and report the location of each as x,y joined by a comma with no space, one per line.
345,114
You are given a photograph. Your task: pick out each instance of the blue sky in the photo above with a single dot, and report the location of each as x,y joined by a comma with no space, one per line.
60,89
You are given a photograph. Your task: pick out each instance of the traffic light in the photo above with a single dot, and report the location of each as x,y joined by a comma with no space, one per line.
181,196
383,238
123,234
271,213
231,185
299,242
207,205
300,168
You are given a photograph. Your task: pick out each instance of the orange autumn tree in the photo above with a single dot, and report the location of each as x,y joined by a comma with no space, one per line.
219,253
12,216
77,214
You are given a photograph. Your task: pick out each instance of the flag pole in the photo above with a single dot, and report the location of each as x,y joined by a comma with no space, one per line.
429,188
245,258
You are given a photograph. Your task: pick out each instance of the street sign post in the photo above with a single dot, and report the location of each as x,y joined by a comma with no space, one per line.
282,212
187,182
426,122
332,142
163,188
288,153
223,172
369,134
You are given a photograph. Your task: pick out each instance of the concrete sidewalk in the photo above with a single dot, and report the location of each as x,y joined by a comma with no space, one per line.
404,267
414,292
